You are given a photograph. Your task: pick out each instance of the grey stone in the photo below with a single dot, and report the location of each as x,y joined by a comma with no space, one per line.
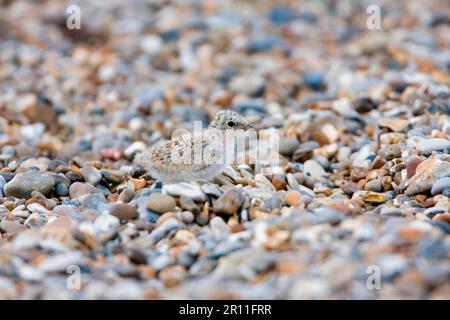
23,184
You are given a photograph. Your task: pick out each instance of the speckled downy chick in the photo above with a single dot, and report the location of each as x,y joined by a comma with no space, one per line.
160,163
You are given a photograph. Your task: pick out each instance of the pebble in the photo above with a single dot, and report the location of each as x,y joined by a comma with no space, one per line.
167,226
36,207
292,198
66,210
91,175
377,163
329,133
262,182
134,148
279,181
440,185
394,124
390,152
55,163
328,215
230,202
431,212
363,154
105,223
212,190
411,166
189,205
184,189
273,203
113,176
137,171
446,192
313,169
20,213
35,220
427,145
218,226
95,201
61,262
161,203
358,174
9,226
442,170
349,188
78,189
126,195
391,264
313,79
391,212
302,154
370,196
61,189
418,188
288,146
2,183
187,217
374,185
23,184
123,211
74,176
172,275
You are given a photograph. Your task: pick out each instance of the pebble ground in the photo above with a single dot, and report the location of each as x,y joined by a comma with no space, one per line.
361,189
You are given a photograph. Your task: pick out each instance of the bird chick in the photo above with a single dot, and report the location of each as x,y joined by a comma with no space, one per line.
163,160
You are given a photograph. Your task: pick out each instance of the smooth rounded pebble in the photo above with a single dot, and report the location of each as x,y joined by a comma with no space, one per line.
428,145
313,169
440,185
292,198
412,165
418,188
229,202
91,175
188,204
23,184
288,146
123,211
184,189
374,185
113,176
78,189
160,203
9,226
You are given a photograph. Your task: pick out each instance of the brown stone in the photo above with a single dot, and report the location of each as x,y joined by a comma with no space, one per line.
292,198
160,203
411,166
138,183
358,173
78,189
279,181
377,163
124,211
229,202
376,173
173,275
394,124
349,187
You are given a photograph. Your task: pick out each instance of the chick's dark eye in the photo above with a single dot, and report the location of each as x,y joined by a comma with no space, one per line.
231,123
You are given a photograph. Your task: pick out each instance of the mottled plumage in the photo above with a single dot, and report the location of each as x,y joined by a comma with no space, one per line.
227,119
175,160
